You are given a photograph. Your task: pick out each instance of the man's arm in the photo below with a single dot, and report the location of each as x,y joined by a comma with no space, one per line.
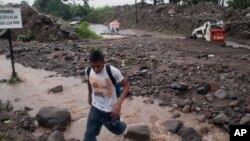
90,92
117,107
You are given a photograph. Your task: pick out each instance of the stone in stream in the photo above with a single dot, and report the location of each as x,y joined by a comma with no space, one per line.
138,133
56,89
51,116
173,125
3,80
189,134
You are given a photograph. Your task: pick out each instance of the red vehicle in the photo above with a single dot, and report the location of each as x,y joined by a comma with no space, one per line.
211,30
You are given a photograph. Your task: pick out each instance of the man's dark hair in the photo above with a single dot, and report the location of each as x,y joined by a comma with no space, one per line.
95,56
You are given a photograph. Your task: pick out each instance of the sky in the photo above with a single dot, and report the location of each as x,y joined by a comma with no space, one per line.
92,3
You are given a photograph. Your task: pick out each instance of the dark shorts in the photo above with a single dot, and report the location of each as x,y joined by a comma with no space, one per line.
96,119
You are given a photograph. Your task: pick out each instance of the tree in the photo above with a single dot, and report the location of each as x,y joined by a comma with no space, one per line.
191,2
79,10
23,2
238,4
174,1
158,1
41,5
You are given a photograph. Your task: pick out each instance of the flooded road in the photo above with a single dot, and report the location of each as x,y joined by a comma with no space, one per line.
103,30
33,93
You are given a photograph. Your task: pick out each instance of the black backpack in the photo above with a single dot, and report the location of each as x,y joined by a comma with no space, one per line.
111,77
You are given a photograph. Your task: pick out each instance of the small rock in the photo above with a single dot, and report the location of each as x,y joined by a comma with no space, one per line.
3,80
176,115
234,103
189,134
231,95
204,130
214,86
186,109
208,115
198,109
138,132
209,97
173,125
58,128
221,119
221,94
171,109
203,89
56,136
56,89
245,120
179,86
148,101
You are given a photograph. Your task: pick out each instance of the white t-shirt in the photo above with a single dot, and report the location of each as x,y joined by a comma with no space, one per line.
103,91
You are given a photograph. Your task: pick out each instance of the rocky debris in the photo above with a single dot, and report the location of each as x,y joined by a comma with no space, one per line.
138,133
165,64
51,116
41,27
16,124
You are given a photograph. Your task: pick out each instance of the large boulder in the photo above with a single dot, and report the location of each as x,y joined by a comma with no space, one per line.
52,116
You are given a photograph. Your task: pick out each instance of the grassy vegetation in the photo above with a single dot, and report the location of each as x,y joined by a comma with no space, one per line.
85,33
29,36
14,80
97,15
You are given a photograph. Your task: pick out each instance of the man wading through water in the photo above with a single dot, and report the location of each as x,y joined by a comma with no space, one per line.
105,97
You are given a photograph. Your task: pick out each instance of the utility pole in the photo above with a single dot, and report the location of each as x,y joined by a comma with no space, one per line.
11,55
136,18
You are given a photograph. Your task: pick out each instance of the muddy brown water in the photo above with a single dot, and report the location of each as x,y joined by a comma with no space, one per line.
33,93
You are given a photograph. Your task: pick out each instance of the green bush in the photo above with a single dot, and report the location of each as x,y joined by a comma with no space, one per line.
14,80
85,33
29,36
97,15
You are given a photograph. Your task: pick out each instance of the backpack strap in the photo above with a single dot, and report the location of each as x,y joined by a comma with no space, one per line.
88,71
117,85
108,69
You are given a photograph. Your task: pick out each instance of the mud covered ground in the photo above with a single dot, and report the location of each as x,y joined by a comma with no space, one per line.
209,77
